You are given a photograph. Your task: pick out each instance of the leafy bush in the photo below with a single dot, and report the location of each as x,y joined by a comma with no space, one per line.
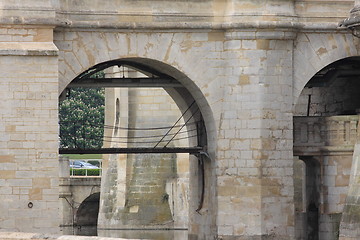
82,172
94,162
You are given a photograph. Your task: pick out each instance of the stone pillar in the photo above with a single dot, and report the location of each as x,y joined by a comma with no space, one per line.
114,179
29,162
65,197
142,191
255,160
300,198
255,165
350,220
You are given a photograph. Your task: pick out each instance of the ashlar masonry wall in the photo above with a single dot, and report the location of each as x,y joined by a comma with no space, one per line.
255,137
245,77
237,59
28,128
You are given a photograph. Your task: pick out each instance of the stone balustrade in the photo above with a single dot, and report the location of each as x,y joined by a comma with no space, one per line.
315,135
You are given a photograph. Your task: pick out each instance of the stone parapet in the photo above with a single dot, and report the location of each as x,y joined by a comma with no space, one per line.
36,12
211,15
317,135
175,14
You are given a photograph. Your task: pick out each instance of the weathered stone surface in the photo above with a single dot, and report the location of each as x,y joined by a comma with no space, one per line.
244,62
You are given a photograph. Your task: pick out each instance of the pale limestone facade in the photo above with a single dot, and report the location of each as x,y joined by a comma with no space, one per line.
244,62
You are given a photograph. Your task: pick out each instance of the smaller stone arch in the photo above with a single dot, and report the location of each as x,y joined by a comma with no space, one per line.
86,216
331,91
314,51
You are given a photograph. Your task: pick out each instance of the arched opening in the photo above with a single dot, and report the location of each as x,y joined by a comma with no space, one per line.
325,129
136,73
332,91
87,216
148,102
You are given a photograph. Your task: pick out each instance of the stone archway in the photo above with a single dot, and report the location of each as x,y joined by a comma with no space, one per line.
314,51
165,52
325,128
73,63
87,215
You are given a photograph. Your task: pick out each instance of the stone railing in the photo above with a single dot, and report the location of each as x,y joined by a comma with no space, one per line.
313,135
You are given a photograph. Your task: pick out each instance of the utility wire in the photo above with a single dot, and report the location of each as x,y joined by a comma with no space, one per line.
154,136
182,127
151,141
143,129
124,128
181,138
175,123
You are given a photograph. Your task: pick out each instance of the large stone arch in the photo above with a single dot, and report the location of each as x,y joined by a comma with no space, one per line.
183,56
167,53
314,51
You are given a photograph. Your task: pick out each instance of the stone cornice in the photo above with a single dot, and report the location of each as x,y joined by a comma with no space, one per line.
165,21
27,16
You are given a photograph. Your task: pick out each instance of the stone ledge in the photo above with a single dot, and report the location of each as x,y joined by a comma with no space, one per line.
255,34
39,236
28,49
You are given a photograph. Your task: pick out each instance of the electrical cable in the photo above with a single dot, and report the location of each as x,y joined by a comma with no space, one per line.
124,128
182,138
175,123
154,136
182,127
100,138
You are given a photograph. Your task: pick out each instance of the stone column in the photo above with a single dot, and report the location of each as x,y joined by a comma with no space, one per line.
114,177
142,191
350,220
255,166
254,169
65,197
29,166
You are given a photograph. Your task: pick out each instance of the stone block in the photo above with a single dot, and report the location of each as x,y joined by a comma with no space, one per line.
6,158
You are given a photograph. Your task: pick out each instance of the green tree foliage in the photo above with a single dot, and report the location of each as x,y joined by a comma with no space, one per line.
81,118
